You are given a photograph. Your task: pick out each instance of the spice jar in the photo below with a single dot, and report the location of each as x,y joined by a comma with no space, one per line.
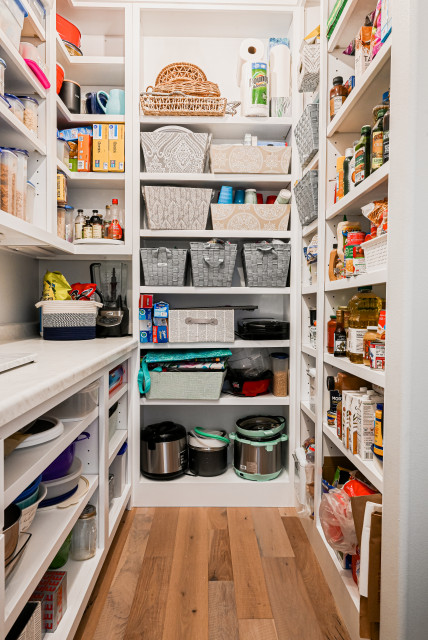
8,168
84,538
338,95
87,230
97,225
30,112
280,374
371,334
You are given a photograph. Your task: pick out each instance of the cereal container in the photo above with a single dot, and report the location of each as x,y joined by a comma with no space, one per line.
16,106
21,182
8,169
30,112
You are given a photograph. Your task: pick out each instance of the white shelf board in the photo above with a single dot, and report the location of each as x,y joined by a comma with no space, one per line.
19,79
360,370
212,233
30,239
23,465
375,187
32,27
49,530
304,405
104,242
357,109
309,289
310,228
226,490
368,468
117,508
119,437
241,344
217,290
216,180
363,280
15,134
312,165
66,118
105,251
92,179
310,351
226,127
117,395
350,21
91,70
225,399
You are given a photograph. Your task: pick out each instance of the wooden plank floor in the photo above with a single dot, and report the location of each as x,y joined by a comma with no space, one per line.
211,574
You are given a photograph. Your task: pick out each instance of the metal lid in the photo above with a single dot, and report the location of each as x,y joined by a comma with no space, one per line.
88,512
166,431
260,426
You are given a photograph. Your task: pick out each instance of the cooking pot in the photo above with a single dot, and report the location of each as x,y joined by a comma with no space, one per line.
254,460
208,452
12,517
163,451
260,428
62,464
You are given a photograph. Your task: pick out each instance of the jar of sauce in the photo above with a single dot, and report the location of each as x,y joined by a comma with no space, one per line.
338,95
331,328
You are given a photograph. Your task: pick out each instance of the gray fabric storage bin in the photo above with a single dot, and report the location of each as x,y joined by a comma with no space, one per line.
307,134
185,385
306,194
177,207
163,267
175,149
201,325
266,264
213,264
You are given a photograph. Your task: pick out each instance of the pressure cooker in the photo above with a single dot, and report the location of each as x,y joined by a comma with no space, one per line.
207,452
163,451
259,447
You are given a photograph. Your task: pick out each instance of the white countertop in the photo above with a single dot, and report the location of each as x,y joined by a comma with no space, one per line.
59,365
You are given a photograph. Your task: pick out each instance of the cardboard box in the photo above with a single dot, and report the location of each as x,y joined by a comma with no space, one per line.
161,310
160,333
116,147
146,325
146,301
51,592
100,147
146,336
84,148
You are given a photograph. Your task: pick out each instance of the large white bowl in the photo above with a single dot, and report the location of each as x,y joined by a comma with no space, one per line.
60,486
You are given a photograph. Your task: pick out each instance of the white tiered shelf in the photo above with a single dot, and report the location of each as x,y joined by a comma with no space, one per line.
226,127
89,70
213,233
363,280
225,399
19,79
15,134
216,180
375,187
360,370
217,290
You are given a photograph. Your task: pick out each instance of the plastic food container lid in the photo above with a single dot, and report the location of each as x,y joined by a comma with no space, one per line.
21,8
10,96
67,207
280,356
28,98
72,46
30,184
3,63
88,512
45,435
6,102
122,449
23,151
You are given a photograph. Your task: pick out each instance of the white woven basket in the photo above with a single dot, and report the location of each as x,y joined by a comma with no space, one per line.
376,253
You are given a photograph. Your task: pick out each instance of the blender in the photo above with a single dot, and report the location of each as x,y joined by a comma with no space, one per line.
111,281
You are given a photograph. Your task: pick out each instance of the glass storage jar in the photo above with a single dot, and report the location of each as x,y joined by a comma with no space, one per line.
21,182
84,538
8,168
69,223
30,112
280,374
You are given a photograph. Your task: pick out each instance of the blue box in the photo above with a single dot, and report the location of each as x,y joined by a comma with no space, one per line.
160,334
145,314
146,336
160,310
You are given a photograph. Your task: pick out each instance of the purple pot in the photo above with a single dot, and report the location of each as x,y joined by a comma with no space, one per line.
62,464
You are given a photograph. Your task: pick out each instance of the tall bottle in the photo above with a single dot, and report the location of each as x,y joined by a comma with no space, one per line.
78,225
107,221
115,230
339,336
377,139
386,136
347,170
364,310
362,155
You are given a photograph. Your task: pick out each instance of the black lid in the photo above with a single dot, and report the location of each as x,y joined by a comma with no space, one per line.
330,383
260,423
335,245
163,432
337,80
262,323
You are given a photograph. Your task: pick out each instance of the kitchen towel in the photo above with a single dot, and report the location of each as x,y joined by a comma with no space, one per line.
279,80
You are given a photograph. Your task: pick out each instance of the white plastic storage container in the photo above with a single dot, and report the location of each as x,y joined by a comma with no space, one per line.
12,14
21,182
79,405
9,168
29,202
118,469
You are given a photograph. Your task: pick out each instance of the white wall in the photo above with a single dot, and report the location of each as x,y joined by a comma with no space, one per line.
19,288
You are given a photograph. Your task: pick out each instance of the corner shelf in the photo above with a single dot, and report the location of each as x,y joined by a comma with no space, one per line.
360,370
65,116
224,127
363,280
91,70
19,79
305,407
374,187
15,133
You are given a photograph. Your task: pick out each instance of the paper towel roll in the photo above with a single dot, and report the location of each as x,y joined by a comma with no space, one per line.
260,106
279,71
251,49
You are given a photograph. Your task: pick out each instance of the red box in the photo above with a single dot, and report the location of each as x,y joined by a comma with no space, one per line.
51,592
146,301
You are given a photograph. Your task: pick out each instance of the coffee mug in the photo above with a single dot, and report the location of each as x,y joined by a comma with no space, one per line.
239,196
96,102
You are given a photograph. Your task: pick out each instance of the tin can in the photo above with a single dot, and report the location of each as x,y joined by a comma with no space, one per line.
377,354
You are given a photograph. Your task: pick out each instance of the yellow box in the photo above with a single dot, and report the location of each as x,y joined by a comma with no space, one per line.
116,147
100,147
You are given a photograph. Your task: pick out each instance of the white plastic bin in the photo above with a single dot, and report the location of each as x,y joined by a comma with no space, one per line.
12,15
78,406
118,469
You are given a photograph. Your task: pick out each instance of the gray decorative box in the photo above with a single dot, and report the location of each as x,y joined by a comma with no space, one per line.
201,325
266,264
177,207
306,196
163,267
174,149
213,264
188,385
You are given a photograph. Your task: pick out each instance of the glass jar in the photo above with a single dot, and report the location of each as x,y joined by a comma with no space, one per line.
84,538
21,182
30,112
9,168
280,374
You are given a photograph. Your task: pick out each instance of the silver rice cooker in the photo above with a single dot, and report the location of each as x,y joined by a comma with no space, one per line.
259,447
163,451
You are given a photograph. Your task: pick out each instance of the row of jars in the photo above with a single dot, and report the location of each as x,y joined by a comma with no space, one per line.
17,194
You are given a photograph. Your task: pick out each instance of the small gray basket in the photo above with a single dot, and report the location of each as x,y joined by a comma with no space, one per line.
213,264
306,195
266,264
185,385
164,267
306,133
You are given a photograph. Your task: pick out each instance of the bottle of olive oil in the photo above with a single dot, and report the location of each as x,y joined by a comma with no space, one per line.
364,310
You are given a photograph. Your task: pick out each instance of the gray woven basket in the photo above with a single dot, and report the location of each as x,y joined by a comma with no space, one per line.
185,385
266,264
306,195
164,267
213,264
306,133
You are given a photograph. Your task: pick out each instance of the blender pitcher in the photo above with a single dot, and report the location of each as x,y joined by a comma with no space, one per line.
111,280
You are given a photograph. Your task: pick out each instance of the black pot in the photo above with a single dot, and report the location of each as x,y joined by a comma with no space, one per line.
70,95
207,460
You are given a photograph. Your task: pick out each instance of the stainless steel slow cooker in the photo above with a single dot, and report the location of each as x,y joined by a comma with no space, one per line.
163,451
258,447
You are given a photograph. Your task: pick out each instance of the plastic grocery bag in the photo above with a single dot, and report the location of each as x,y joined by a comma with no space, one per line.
55,286
337,521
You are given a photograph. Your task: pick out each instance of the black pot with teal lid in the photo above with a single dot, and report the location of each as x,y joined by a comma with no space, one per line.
208,452
260,427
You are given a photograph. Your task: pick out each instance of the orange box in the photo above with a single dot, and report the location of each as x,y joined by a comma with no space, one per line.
116,147
84,148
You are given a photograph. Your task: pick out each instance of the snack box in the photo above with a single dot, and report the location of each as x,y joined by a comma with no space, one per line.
161,310
160,333
116,147
84,149
146,301
100,147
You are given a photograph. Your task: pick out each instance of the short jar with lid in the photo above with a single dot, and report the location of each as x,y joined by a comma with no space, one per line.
338,95
84,538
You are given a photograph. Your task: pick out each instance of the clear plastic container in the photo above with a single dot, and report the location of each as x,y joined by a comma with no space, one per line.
12,15
29,51
30,112
29,202
312,375
3,67
110,488
84,538
79,405
63,151
69,223
39,10
280,374
16,106
8,170
60,221
21,182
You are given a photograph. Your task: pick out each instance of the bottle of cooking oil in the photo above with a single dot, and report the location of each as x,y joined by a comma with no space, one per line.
364,310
